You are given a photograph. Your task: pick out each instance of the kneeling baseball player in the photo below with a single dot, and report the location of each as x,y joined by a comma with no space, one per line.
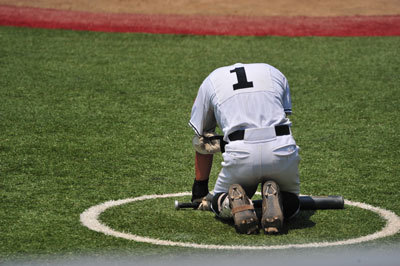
250,104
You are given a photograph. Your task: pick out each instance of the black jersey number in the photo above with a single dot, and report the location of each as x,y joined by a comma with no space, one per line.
242,79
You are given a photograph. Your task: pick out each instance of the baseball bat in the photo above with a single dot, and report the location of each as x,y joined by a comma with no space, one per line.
306,203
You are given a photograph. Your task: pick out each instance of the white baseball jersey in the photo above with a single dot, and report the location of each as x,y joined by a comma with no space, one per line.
241,96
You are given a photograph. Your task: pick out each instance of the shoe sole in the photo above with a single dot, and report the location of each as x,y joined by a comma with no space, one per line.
272,217
246,221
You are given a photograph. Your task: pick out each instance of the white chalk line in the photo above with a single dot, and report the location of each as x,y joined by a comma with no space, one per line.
90,219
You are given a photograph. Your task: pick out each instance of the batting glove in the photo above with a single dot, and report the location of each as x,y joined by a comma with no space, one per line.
199,190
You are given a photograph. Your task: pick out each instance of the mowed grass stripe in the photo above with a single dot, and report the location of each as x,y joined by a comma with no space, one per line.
89,117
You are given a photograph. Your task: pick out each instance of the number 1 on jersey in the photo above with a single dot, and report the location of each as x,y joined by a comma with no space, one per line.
242,79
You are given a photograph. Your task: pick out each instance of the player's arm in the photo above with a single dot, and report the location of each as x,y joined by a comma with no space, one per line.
203,164
205,148
287,100
203,122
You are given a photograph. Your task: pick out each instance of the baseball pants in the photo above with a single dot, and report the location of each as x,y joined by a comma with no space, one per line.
260,156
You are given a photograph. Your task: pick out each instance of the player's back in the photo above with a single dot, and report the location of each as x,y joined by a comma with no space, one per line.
249,96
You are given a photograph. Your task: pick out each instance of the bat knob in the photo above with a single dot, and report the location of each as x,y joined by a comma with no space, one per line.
177,205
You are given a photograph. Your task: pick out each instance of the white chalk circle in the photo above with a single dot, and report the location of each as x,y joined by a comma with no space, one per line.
90,219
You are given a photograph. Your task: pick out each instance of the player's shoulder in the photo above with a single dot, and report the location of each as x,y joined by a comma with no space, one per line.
275,72
222,69
266,66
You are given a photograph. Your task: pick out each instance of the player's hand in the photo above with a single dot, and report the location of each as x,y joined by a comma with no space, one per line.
199,190
205,204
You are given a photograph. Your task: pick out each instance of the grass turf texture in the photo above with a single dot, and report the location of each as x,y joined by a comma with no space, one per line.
89,117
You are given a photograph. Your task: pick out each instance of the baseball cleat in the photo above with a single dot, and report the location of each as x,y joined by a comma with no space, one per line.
244,215
272,210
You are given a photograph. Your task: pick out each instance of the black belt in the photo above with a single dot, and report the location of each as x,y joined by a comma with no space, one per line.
279,131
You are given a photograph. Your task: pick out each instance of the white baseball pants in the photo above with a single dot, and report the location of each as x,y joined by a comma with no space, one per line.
260,156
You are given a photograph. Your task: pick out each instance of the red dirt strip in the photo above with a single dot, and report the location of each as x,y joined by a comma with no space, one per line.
201,25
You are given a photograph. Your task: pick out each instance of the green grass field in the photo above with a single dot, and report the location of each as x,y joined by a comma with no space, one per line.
90,117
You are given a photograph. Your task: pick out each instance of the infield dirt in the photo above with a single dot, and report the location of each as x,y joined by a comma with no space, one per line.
233,7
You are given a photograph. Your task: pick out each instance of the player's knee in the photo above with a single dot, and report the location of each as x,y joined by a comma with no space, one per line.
220,206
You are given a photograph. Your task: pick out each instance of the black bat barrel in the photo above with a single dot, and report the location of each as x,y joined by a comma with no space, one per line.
311,202
321,203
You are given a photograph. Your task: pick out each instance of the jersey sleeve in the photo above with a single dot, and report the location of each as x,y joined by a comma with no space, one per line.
202,118
287,101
